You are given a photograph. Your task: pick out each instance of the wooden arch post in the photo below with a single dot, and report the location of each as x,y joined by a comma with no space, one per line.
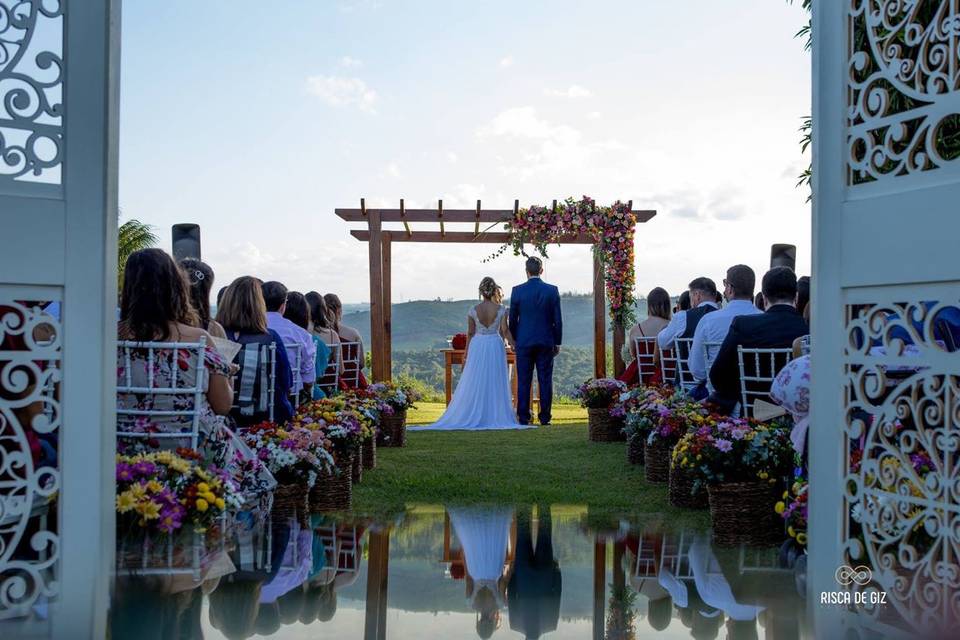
380,242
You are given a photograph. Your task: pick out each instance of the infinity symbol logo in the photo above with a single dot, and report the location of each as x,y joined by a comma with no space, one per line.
847,575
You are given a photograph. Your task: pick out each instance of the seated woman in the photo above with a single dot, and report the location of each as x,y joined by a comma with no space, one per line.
200,276
325,338
155,307
298,312
658,317
347,334
243,314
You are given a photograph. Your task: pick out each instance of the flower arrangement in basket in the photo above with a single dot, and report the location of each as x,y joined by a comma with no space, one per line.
600,397
740,462
664,421
636,408
398,399
158,493
793,509
293,454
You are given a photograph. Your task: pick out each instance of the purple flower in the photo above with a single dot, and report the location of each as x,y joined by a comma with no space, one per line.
144,468
124,472
723,444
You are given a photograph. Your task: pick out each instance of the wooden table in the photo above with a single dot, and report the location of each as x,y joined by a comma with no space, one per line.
453,357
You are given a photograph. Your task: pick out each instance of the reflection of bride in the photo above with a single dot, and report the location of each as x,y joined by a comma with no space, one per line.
484,535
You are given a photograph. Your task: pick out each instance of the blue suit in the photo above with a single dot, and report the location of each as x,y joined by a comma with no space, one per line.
536,323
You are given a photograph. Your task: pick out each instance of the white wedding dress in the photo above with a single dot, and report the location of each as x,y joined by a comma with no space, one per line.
482,399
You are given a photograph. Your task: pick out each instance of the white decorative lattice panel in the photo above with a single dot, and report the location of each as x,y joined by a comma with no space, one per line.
30,420
902,428
31,91
902,90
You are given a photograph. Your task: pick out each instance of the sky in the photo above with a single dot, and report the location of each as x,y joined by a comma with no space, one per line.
256,120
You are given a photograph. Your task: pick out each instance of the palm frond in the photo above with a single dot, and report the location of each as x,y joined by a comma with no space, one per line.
132,236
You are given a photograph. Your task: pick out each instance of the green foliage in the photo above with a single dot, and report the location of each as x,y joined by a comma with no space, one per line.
132,236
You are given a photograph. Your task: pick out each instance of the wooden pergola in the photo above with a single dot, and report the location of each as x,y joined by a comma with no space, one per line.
380,240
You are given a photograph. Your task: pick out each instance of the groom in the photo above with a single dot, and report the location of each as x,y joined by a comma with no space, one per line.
536,325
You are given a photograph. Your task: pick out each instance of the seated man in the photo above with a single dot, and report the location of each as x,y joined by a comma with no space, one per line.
776,328
738,291
275,297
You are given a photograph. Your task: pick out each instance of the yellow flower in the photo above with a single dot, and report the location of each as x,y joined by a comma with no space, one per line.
220,503
791,532
801,538
125,502
202,505
209,497
786,495
763,475
137,491
154,487
203,487
779,507
149,509
699,457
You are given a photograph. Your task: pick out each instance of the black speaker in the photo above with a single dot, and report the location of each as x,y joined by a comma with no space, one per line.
186,241
783,255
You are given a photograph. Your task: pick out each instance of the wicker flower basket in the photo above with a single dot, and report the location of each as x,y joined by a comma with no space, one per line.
681,490
357,466
635,448
656,461
742,513
603,427
289,501
369,453
333,492
393,429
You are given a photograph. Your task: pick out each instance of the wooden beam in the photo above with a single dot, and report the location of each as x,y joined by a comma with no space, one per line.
378,569
599,588
449,215
376,295
403,217
599,322
440,217
458,237
476,228
387,307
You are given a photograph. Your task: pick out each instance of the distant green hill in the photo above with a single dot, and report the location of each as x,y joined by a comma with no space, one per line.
421,329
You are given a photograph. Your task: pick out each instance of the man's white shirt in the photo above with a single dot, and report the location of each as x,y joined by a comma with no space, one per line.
713,327
677,326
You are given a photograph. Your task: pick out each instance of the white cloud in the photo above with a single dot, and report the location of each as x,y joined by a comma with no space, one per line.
341,91
452,157
523,122
463,196
506,61
594,115
393,170
350,63
573,91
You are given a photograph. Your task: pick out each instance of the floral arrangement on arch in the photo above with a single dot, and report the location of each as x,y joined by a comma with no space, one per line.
599,393
723,450
160,492
294,455
612,229
793,509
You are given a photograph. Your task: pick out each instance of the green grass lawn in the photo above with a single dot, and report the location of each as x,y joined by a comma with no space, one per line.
553,465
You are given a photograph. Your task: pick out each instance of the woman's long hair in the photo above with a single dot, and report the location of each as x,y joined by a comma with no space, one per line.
155,295
297,311
335,308
242,308
658,303
319,315
490,290
200,276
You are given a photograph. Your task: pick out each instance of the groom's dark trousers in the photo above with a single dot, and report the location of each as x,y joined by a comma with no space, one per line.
536,323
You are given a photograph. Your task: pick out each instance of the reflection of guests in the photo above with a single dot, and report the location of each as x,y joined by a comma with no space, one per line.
659,612
713,586
533,593
235,606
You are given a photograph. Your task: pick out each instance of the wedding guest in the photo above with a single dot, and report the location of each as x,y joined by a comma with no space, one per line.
275,297
803,293
683,302
155,307
243,315
346,334
324,337
658,317
299,312
759,302
703,294
200,276
738,289
776,328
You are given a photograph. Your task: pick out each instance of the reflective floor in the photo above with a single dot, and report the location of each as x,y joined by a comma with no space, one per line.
447,572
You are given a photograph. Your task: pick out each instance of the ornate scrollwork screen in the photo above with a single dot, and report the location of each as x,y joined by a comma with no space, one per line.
902,482
30,420
31,91
903,103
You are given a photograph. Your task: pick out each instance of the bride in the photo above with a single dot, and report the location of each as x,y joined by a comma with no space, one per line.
483,400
